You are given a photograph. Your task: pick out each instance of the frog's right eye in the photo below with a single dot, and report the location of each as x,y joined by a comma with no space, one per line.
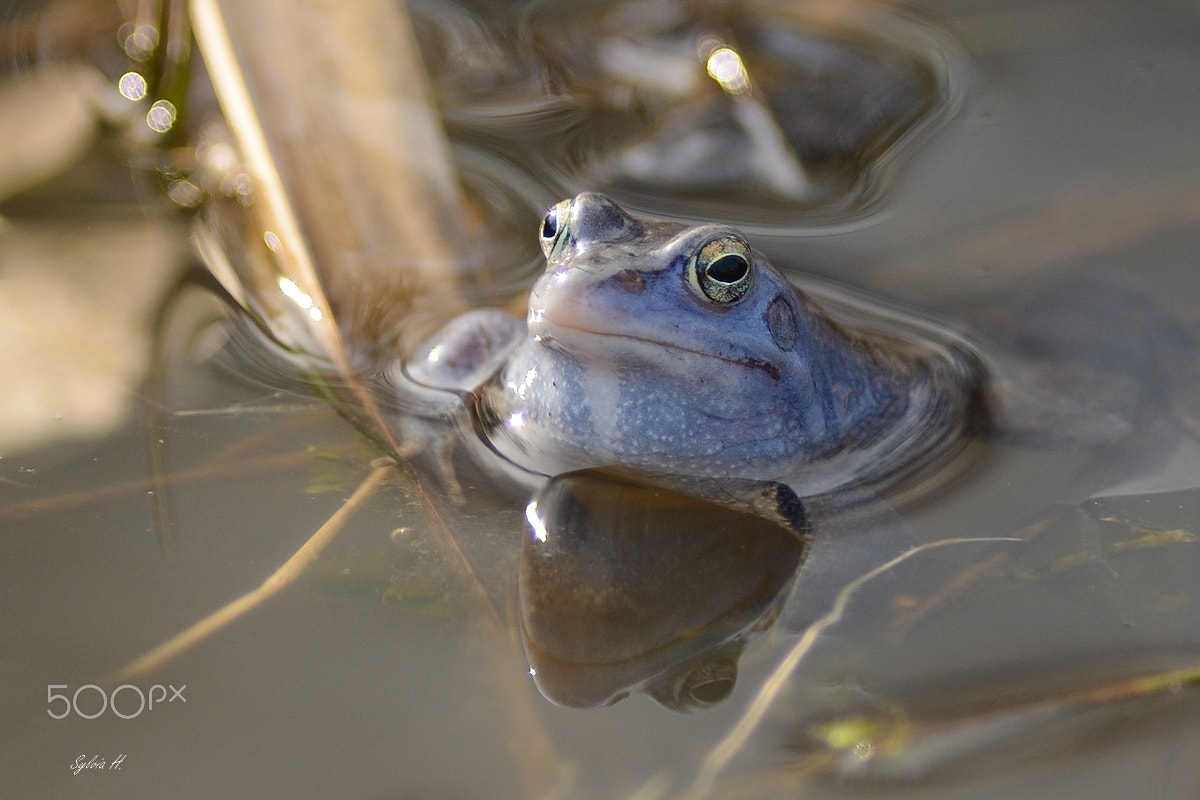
554,228
722,271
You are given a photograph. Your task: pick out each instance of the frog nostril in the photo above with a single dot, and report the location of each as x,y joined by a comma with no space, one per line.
595,218
631,281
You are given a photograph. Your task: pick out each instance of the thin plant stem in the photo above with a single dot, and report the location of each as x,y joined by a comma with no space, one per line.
277,582
205,472
720,756
967,577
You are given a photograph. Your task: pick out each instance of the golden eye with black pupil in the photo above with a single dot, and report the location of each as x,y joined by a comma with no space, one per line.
721,270
554,227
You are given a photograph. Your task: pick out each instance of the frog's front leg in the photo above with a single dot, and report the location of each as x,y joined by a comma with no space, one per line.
431,388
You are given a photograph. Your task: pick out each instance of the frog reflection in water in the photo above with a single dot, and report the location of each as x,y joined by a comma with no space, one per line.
671,350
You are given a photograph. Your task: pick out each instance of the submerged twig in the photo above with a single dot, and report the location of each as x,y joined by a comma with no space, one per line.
279,580
720,756
534,752
905,745
205,472
968,576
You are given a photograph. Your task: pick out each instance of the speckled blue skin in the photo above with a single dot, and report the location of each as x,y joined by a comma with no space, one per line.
665,349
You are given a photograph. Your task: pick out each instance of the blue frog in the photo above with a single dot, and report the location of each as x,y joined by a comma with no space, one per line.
678,351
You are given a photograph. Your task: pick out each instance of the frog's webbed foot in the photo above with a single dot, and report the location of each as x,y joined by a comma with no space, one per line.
440,450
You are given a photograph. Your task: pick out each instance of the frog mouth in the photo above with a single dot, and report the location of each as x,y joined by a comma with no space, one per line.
549,332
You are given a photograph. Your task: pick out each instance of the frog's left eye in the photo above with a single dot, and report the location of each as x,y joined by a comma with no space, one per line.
722,270
554,227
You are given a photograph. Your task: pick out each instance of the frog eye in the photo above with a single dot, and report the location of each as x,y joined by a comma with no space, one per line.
721,270
554,228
